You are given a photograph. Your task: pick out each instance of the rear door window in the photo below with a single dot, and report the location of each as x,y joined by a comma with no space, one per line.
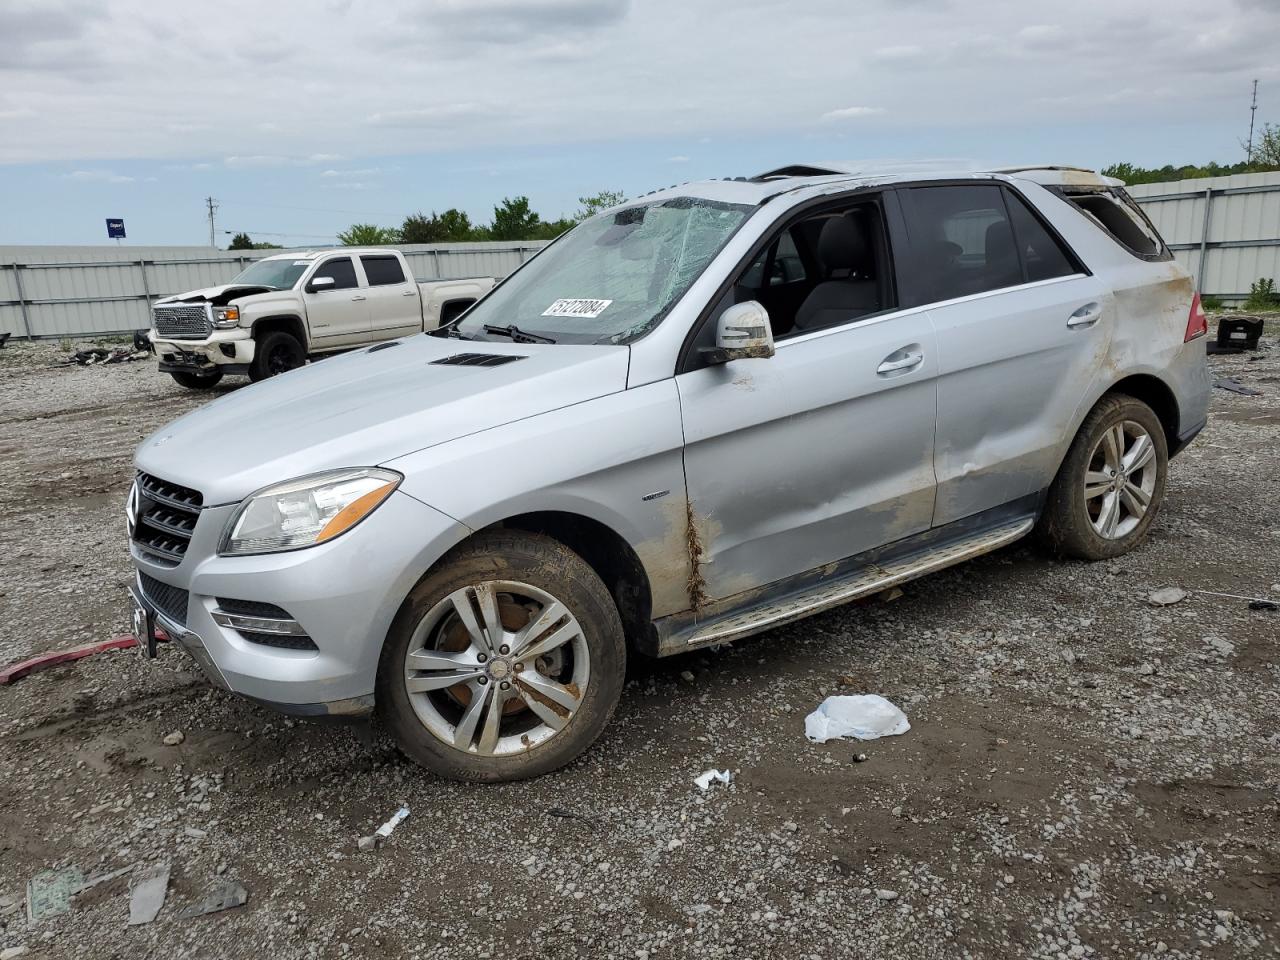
382,271
962,242
342,270
1043,254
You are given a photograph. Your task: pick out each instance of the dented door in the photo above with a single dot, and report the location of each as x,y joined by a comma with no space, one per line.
815,454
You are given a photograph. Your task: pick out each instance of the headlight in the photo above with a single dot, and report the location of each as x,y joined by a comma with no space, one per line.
307,511
226,317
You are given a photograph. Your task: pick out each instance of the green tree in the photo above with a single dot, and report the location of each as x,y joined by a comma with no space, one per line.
514,220
452,226
1266,157
1266,151
550,229
368,235
241,241
600,201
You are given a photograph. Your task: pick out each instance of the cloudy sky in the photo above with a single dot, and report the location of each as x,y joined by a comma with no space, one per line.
302,117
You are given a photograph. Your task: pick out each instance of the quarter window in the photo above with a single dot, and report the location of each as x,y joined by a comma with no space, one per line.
382,271
342,270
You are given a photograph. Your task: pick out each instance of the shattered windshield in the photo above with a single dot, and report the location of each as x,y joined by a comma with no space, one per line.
613,277
281,274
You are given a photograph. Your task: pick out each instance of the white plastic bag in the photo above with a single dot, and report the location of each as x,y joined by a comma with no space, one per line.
866,716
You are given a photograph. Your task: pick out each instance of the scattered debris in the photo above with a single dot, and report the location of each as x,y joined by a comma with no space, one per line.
380,835
865,716
4,338
1255,603
1167,596
570,815
175,738
142,341
49,893
859,758
705,779
100,355
104,877
44,661
225,896
1235,386
888,596
1238,333
147,893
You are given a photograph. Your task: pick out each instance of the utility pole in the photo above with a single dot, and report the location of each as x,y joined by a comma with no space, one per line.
1253,112
212,204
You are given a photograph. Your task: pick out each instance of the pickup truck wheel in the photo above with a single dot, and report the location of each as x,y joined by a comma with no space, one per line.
278,352
1109,488
505,662
197,381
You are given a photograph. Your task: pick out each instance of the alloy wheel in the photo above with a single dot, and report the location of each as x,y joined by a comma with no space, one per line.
497,668
1120,479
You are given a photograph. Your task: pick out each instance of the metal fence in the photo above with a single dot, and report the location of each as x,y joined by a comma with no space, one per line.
86,291
1224,230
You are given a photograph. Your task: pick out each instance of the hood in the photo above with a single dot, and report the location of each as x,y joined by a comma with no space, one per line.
220,295
364,408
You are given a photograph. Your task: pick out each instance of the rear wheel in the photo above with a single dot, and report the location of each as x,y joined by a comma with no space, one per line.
1110,486
197,381
278,352
504,663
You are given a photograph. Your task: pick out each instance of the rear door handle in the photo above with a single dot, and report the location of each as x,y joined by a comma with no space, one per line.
1086,316
904,359
357,297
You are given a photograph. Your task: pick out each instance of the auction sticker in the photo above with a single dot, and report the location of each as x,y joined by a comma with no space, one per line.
576,308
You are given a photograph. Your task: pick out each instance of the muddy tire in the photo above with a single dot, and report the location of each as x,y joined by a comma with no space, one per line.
278,352
1109,488
197,381
505,662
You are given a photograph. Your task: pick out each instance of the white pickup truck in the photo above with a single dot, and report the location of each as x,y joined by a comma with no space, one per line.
285,308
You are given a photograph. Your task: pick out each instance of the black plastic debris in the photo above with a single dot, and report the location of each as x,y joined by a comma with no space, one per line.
1239,333
1235,386
4,338
225,896
142,341
99,355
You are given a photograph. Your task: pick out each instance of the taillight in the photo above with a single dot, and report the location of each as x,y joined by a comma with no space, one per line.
1197,322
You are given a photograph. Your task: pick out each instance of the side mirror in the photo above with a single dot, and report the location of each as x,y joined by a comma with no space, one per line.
320,283
742,331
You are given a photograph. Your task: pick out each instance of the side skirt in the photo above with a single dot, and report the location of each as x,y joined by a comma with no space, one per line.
837,583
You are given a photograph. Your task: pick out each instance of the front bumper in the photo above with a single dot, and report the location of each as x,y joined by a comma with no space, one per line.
230,351
344,594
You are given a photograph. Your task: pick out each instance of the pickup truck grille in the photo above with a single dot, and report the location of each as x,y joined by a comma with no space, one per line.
183,321
165,519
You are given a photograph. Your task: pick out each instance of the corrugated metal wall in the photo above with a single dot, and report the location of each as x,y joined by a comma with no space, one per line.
1224,230
78,291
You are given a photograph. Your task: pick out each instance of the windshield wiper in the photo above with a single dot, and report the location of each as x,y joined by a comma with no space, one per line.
517,335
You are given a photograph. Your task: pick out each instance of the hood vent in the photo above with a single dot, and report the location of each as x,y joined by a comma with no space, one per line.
383,346
476,360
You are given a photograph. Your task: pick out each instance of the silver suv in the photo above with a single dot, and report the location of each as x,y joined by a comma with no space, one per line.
693,417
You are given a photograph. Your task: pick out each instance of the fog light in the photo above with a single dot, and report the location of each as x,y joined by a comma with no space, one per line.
228,350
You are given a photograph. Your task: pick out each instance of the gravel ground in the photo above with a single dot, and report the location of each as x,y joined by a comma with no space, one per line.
1087,774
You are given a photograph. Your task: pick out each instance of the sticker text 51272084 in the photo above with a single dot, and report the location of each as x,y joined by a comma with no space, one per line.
576,308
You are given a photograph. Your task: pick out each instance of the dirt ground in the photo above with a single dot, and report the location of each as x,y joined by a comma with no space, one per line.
1087,774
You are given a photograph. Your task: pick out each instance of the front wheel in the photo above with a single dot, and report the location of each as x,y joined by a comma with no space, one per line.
506,662
278,352
1110,486
197,381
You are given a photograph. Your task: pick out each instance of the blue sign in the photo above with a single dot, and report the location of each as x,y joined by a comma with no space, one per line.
115,229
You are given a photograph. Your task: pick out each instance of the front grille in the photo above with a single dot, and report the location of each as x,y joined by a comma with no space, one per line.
166,516
169,600
476,360
187,321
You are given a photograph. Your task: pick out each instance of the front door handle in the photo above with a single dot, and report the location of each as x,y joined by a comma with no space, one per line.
356,298
904,359
409,293
1086,316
